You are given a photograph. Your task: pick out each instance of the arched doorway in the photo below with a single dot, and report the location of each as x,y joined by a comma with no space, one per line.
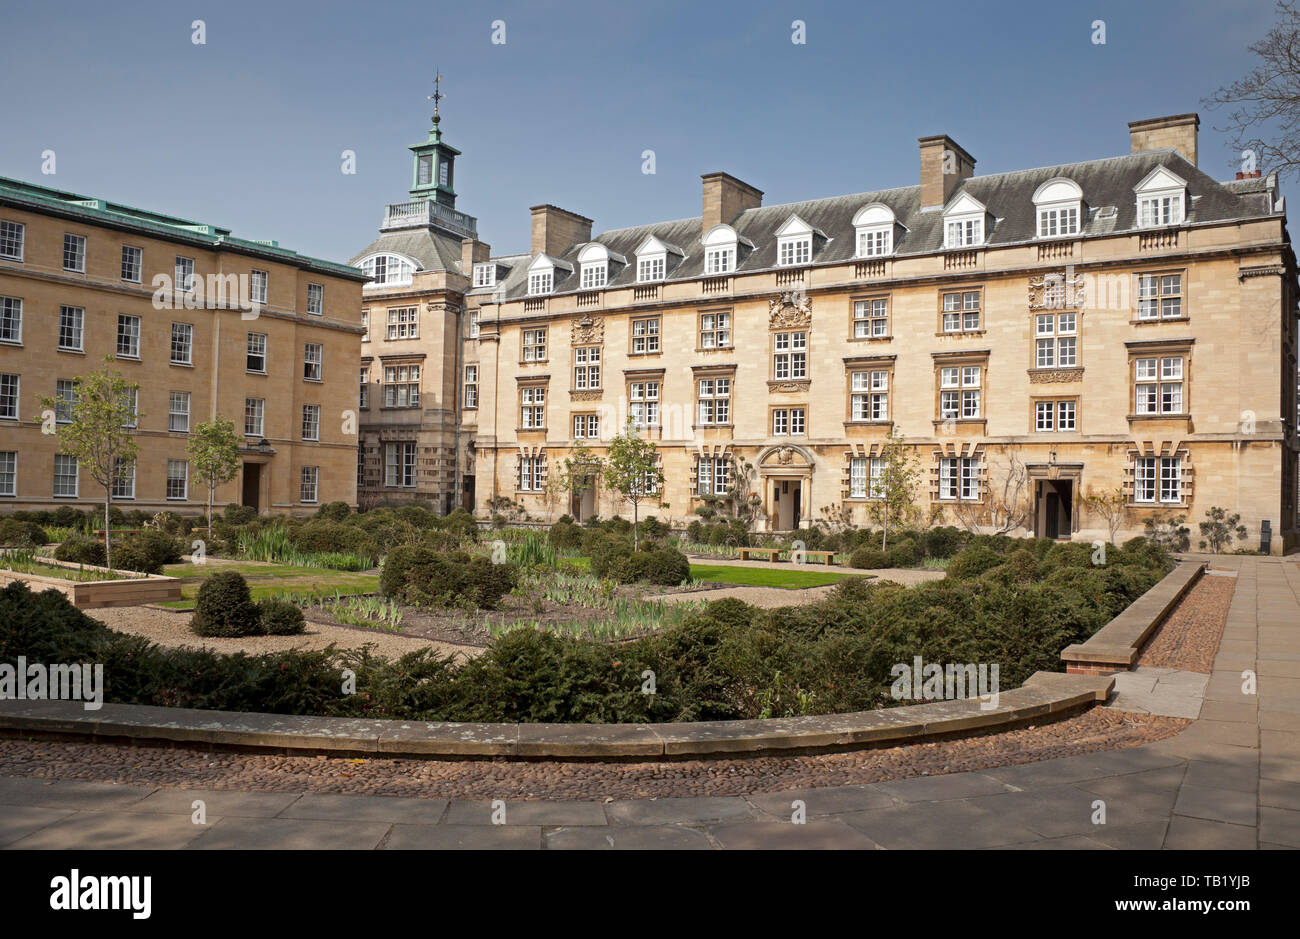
786,475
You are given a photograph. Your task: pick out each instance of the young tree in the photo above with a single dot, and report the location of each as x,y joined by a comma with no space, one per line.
1110,505
214,456
100,431
893,494
632,470
1264,107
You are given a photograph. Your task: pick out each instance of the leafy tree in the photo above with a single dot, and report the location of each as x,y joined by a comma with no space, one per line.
1110,505
893,495
100,431
1264,107
1220,529
214,455
632,470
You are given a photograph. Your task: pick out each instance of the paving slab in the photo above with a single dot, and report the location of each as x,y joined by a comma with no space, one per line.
678,811
648,838
19,821
328,805
112,831
216,803
1220,805
1240,777
527,813
1279,826
71,794
820,835
942,788
830,801
1198,834
290,834
1061,810
938,825
464,837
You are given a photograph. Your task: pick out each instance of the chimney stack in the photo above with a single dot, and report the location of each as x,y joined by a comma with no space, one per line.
554,229
473,252
1177,132
725,197
943,165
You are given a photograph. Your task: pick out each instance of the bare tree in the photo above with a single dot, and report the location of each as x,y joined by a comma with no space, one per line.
1110,505
1006,505
1264,107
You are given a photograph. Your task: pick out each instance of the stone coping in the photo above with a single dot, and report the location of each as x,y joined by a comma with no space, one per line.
1045,694
1115,647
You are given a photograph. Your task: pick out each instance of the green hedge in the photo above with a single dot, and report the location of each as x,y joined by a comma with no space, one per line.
425,577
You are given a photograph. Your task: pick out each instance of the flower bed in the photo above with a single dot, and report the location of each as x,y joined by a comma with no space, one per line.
89,586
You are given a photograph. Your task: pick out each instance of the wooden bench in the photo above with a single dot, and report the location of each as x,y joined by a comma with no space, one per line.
771,554
823,557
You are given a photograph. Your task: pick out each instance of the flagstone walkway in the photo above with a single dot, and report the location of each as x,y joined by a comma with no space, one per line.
1231,780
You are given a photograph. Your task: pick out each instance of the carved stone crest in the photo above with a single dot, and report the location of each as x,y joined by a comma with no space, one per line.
784,455
791,310
588,330
1057,291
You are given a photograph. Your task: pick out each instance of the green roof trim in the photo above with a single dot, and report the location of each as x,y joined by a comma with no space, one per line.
24,195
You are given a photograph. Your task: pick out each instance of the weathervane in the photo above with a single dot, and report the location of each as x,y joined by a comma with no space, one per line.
437,94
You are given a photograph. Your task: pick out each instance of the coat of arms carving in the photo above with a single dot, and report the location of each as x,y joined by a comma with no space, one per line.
588,330
1057,290
792,309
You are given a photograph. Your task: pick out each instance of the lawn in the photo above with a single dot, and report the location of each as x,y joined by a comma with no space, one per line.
271,580
764,577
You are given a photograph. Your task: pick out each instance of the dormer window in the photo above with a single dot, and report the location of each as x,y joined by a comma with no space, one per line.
1058,206
794,242
540,282
1161,199
963,223
962,233
650,268
873,227
721,245
485,275
388,270
597,264
652,259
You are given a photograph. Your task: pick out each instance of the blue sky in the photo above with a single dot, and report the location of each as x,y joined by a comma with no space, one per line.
246,131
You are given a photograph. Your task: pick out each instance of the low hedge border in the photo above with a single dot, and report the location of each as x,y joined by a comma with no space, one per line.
1045,694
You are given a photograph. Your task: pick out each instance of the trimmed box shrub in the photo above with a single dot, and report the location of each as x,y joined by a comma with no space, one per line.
15,533
278,617
224,608
868,559
80,549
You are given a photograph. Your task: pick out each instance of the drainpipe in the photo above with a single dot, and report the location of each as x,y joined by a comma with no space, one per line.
457,379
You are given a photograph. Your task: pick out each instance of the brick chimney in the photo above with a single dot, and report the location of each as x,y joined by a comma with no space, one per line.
943,165
554,229
1177,131
473,252
725,197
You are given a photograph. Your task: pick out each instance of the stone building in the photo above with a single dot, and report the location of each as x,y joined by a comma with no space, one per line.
1035,336
207,324
427,271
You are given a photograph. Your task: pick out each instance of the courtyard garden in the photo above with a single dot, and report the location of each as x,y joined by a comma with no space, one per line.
565,623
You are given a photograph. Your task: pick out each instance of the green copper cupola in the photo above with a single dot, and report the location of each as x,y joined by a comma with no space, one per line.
435,164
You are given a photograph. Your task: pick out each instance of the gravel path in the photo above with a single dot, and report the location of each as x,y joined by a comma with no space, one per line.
172,628
1189,638
1096,730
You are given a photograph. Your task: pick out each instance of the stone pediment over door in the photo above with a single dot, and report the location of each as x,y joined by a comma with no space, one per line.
784,459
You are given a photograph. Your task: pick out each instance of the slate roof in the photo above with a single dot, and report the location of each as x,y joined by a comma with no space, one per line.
1008,197
434,250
